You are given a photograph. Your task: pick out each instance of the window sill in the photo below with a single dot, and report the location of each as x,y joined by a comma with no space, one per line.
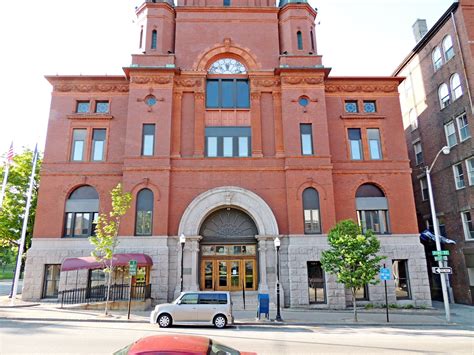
227,109
90,116
362,115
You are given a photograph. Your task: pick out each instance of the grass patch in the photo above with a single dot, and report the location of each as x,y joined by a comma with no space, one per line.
6,272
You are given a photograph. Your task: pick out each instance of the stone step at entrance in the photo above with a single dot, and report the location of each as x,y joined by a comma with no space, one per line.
251,301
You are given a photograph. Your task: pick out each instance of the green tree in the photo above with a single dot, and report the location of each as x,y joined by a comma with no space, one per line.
352,257
14,203
105,240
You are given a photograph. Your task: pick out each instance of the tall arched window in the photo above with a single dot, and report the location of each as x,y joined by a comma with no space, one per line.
456,89
141,38
372,209
82,209
154,36
312,224
144,213
448,48
299,38
443,94
437,59
312,40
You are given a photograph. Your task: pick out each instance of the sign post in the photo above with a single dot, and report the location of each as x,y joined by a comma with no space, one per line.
385,275
132,271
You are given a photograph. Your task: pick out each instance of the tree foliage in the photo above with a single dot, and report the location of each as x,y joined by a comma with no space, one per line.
14,203
106,232
352,257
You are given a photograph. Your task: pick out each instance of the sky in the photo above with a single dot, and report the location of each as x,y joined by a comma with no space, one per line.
97,37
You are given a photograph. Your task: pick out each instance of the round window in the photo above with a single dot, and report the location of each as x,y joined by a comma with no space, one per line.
303,101
150,100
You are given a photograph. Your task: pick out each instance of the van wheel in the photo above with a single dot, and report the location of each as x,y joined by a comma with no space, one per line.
220,321
164,320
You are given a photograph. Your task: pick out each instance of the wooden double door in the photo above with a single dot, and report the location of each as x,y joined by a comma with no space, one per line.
228,273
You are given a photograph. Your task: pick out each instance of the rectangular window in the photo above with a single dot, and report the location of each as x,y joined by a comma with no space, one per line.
470,170
450,131
316,282
226,2
80,224
467,225
375,147
375,220
311,221
306,131
351,106
418,153
52,273
424,189
98,144
148,140
369,107
402,282
355,141
228,141
459,176
463,127
144,222
362,293
78,144
102,107
83,106
227,93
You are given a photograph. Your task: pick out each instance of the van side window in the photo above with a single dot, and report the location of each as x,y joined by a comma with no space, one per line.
208,298
189,298
222,298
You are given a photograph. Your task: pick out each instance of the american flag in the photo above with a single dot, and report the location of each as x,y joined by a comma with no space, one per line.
10,154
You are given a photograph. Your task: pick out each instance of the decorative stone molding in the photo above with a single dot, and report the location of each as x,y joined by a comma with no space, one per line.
295,80
90,116
362,88
161,80
199,95
255,95
267,83
211,200
188,83
68,87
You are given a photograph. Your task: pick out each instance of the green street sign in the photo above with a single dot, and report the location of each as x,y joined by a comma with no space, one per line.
440,258
440,252
132,267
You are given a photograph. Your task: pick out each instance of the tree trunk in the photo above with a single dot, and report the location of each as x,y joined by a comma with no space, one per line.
354,303
109,281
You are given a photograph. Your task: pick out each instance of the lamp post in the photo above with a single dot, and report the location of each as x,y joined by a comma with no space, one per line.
445,150
276,242
182,240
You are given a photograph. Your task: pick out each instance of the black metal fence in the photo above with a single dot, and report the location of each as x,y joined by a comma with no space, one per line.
98,294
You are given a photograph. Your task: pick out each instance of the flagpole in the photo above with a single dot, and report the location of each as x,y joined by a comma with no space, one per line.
4,184
25,225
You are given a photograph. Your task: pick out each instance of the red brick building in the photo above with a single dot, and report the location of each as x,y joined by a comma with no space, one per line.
437,108
228,129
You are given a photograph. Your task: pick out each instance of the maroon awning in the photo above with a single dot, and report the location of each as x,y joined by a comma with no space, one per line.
90,263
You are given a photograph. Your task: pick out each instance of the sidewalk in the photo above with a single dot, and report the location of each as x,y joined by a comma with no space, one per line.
461,315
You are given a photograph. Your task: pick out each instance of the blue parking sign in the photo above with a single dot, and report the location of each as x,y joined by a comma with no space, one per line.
384,274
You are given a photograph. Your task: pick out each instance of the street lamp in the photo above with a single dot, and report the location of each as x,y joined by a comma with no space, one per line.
182,240
276,242
445,150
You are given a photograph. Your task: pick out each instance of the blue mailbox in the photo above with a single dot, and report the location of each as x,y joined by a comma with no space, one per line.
263,305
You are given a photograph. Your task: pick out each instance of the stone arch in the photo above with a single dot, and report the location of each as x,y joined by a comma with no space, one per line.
310,183
228,196
229,50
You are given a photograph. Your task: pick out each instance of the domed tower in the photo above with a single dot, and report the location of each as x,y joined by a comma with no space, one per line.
156,23
297,30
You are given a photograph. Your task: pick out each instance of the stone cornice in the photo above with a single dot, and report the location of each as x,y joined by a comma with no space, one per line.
383,85
86,84
151,79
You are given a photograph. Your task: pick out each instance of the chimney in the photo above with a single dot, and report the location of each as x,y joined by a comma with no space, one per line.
419,29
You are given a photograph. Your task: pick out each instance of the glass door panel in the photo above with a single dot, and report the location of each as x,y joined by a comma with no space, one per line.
249,274
222,270
235,275
208,275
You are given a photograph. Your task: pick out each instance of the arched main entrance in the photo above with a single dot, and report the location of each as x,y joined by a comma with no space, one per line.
228,251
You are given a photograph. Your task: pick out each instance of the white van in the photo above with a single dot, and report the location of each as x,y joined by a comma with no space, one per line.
195,307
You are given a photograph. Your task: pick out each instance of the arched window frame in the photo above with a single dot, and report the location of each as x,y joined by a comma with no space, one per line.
448,48
437,58
443,94
154,38
144,212
372,209
456,88
311,211
81,213
141,38
311,34
299,40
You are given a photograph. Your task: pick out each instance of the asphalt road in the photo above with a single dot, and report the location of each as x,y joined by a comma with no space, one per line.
23,336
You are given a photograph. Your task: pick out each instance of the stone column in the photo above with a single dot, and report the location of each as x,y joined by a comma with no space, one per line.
256,122
194,261
279,147
199,112
176,125
262,267
190,265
